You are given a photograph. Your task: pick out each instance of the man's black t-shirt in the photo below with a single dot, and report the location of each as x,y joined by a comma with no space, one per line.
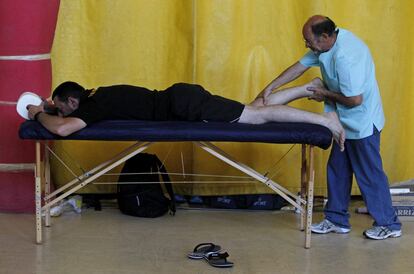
122,102
186,102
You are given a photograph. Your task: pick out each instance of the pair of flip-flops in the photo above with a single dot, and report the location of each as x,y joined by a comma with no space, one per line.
211,253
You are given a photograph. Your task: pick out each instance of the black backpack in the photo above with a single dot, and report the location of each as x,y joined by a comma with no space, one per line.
145,199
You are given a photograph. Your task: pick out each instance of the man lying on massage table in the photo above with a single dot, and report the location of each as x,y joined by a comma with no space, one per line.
78,107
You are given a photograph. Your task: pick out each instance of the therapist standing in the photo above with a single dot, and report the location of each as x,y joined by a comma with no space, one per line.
351,90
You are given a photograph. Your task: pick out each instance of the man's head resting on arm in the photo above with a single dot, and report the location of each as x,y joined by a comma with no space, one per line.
319,33
68,96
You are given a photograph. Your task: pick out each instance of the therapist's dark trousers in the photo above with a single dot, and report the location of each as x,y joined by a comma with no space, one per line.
362,158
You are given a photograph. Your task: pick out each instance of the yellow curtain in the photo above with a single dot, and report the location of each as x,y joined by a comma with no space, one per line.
233,48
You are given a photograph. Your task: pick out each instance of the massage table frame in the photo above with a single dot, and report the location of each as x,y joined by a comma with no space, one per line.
303,202
145,133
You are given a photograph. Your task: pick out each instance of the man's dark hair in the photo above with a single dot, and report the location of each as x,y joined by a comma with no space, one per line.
70,89
327,26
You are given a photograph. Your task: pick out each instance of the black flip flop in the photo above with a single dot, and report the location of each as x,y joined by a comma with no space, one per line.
203,250
218,260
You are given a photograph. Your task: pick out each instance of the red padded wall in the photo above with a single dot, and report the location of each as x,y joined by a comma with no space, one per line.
26,28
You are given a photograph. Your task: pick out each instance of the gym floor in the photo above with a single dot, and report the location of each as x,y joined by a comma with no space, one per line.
258,242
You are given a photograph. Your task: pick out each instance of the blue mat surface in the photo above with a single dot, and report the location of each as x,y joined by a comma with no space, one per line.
169,131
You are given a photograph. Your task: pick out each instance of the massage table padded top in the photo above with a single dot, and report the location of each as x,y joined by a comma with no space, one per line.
170,131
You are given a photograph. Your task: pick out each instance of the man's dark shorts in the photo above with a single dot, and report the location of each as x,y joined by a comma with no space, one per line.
193,103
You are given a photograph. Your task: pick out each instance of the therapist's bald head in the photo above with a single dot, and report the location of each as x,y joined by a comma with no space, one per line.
319,33
320,24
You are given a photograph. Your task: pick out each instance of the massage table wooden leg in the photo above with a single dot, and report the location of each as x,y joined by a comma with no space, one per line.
303,182
309,204
46,163
38,194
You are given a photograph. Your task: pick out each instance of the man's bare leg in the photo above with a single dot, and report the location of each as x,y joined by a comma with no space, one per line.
287,95
281,113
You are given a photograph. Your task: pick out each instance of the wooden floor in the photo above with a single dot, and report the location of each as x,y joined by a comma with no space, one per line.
258,242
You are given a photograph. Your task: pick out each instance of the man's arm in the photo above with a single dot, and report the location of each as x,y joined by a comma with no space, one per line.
287,76
322,94
62,126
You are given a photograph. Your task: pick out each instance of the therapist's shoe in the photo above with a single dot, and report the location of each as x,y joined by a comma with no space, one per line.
327,226
381,233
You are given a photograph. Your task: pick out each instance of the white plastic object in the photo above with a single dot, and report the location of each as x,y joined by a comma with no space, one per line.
27,98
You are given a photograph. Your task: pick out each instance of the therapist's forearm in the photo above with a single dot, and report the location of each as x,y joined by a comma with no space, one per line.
337,97
287,76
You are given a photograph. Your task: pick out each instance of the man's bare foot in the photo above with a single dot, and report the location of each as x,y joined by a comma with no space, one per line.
316,82
336,128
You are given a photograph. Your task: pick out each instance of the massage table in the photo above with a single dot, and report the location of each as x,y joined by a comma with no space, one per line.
145,133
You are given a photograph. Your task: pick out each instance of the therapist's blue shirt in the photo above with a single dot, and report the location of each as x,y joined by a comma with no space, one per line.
348,68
